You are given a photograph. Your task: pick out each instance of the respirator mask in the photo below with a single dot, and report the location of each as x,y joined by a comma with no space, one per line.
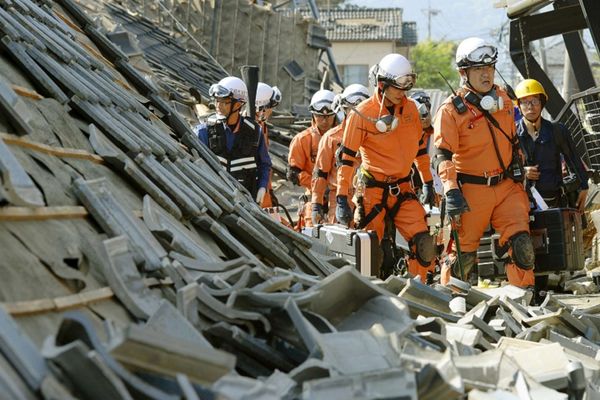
490,102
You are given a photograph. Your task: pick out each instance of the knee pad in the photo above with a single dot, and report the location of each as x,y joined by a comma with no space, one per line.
523,254
424,248
468,260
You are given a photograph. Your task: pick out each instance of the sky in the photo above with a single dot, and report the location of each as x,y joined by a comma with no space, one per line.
456,20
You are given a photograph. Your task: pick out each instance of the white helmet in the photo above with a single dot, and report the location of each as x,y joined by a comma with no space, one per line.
354,94
394,69
264,93
475,52
276,98
321,102
230,87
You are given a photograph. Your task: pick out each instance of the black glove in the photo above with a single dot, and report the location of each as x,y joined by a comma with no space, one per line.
292,175
343,214
455,203
428,194
318,214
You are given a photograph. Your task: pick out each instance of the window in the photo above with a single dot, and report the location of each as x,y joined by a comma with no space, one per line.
355,74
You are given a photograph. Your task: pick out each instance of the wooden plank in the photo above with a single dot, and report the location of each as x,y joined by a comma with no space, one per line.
41,213
68,21
55,151
24,92
58,303
70,301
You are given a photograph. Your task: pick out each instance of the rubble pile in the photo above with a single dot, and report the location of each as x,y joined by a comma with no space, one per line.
133,266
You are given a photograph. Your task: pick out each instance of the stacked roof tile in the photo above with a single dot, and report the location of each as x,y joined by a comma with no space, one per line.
176,67
364,24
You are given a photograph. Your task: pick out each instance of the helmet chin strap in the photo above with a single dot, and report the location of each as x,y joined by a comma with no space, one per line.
535,121
231,111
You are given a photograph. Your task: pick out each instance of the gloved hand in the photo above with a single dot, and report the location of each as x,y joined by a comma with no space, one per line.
318,215
260,194
343,214
428,194
292,175
455,203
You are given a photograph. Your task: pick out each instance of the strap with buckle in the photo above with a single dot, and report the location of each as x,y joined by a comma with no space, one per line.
490,180
385,184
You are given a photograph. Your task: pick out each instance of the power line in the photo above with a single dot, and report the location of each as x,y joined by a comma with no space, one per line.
430,12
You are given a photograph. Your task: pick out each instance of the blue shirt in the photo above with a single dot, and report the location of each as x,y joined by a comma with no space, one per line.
544,153
263,160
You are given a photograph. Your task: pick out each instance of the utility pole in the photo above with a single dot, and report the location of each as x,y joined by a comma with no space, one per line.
431,12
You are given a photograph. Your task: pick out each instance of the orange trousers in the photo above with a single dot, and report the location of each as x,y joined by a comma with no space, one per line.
409,220
506,207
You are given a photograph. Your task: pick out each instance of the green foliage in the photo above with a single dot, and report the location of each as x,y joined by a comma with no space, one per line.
431,57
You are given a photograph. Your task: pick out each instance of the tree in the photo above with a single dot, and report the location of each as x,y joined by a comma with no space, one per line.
429,58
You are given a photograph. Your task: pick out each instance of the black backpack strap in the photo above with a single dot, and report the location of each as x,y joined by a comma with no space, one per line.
563,147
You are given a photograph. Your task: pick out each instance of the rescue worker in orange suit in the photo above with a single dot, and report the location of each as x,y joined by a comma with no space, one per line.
423,102
267,98
478,160
544,151
386,129
325,171
236,140
303,148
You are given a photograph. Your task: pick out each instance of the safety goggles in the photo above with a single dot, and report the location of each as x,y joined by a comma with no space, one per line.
276,97
321,108
404,82
422,99
483,55
217,90
423,110
353,99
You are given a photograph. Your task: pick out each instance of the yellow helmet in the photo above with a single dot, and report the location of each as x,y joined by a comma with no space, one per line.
530,87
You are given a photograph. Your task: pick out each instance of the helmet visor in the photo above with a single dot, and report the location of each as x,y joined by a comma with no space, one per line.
404,82
423,110
354,99
217,90
276,97
321,108
483,55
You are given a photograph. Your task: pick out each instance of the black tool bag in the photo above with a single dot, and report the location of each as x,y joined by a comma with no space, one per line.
558,240
360,248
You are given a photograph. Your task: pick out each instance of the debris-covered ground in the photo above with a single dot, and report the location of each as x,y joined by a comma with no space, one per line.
132,266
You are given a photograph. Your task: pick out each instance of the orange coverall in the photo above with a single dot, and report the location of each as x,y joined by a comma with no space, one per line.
325,164
302,155
388,157
504,205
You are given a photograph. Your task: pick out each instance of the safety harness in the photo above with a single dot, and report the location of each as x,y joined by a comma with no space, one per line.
390,188
489,180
